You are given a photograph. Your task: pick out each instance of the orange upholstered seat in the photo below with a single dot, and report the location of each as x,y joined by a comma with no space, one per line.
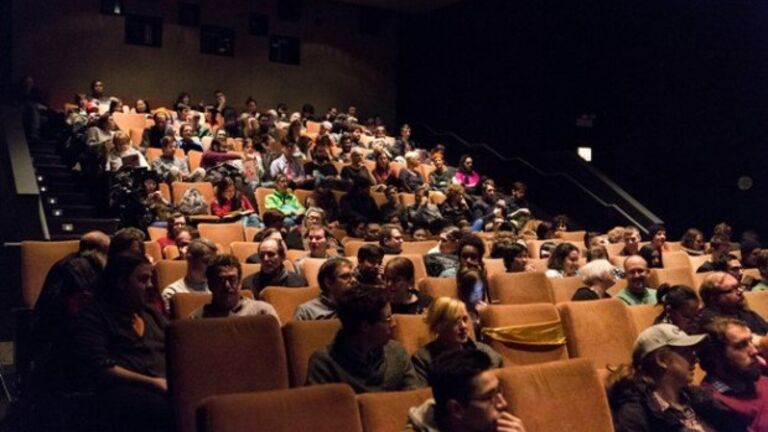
520,288
285,300
37,258
439,287
224,234
388,411
411,331
564,288
302,338
222,355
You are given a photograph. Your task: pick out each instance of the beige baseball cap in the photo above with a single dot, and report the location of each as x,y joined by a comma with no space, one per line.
661,335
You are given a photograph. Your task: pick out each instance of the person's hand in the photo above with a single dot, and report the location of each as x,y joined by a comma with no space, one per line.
509,423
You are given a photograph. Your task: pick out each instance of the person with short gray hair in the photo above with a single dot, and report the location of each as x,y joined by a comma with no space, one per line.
598,276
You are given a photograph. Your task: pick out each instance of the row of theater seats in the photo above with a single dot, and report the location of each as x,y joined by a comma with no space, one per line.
557,396
255,354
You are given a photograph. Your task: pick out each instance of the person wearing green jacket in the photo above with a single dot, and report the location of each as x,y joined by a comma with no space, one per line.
283,200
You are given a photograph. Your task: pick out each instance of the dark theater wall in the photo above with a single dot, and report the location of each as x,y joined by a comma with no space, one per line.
66,44
679,89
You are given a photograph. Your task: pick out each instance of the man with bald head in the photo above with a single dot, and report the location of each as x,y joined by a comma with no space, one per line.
637,291
273,271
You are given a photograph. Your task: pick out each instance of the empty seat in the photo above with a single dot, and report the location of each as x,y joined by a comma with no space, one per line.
321,408
243,249
388,411
599,330
643,316
672,276
302,338
675,259
418,247
559,396
500,316
224,234
520,288
758,302
564,288
222,355
411,331
37,258
439,287
285,300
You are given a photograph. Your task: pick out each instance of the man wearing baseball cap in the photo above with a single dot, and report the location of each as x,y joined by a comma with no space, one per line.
656,393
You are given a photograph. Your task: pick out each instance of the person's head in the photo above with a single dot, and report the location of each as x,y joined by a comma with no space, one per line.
126,240
127,278
391,238
720,244
561,223
466,164
565,259
454,192
658,234
184,98
105,122
664,354
636,271
724,229
680,305
471,284
369,258
594,239
762,263
722,291
729,352
615,234
161,120
281,183
399,278
733,266
223,275
221,135
314,215
438,160
318,243
652,255
420,234
364,312
489,190
382,161
632,239
449,240
225,189
471,252
546,249
168,146
336,276
597,253
448,319
598,273
413,159
372,231
518,191
142,106
94,241
217,145
97,88
81,100
116,105
467,393
515,257
544,231
271,255
750,248
182,239
693,239
122,141
200,253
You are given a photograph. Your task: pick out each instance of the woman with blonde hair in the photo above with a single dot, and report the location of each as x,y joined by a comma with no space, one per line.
123,152
449,322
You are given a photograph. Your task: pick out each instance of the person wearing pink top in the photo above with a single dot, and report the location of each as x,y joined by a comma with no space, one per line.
465,175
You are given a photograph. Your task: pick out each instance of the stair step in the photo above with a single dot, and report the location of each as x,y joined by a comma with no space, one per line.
50,159
70,211
67,198
79,226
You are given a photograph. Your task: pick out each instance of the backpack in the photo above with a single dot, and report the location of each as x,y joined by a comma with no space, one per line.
193,203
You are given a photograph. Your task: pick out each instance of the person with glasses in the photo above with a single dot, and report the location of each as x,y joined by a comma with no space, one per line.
362,354
723,296
466,396
335,277
224,275
656,393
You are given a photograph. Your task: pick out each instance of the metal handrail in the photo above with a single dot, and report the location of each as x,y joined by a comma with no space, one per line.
543,173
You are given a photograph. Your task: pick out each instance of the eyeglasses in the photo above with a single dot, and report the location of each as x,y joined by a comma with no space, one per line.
490,395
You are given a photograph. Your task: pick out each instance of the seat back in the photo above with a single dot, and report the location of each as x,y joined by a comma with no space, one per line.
156,233
168,272
388,411
250,232
286,300
411,331
758,302
643,316
243,249
222,355
310,268
261,199
614,249
564,288
439,287
183,304
559,396
534,246
37,258
152,248
352,246
418,247
205,189
495,316
672,276
302,338
170,252
419,268
194,158
676,259
224,234
493,265
520,288
697,261
599,330
573,236
320,408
